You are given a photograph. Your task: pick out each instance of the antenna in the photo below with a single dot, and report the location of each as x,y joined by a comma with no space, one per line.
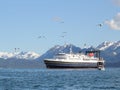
71,49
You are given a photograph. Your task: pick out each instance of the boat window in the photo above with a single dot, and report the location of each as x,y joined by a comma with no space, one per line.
60,57
100,63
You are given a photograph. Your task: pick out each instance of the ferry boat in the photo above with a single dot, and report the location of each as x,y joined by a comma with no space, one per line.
91,59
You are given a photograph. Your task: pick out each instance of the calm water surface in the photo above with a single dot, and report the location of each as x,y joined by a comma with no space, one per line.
58,79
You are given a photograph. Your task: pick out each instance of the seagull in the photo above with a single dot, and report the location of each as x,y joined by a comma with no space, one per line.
100,25
41,37
58,19
62,22
64,32
62,36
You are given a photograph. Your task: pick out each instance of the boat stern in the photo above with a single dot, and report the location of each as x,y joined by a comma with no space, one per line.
101,64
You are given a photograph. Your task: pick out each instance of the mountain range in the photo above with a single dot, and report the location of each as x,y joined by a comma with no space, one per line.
19,55
110,51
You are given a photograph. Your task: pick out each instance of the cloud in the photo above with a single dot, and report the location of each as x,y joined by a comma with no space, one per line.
114,23
116,2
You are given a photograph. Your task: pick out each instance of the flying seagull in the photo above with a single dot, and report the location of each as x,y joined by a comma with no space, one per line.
58,19
41,37
100,25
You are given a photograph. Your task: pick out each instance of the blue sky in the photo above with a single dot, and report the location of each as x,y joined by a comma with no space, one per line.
37,25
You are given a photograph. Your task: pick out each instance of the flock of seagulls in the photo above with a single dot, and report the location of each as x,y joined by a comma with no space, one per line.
44,37
60,20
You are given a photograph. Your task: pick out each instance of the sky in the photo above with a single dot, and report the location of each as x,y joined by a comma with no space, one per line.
38,25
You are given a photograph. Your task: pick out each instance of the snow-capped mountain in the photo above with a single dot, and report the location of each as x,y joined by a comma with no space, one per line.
105,45
19,55
110,49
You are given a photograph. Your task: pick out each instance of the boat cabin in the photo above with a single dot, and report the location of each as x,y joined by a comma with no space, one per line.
95,53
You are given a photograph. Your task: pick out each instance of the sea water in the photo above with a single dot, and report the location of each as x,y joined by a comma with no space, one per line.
60,79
